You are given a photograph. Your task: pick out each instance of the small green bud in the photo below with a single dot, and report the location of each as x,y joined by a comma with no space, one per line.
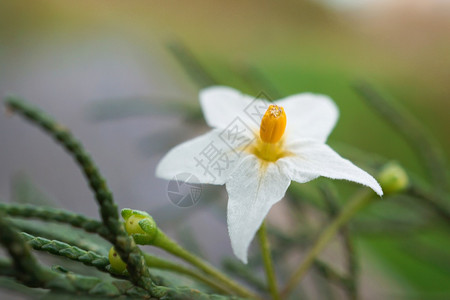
393,178
117,264
126,213
140,226
132,224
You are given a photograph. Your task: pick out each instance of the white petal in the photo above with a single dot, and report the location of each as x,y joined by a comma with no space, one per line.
314,159
309,116
221,105
207,157
252,190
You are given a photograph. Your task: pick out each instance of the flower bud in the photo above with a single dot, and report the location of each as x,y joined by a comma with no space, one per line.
393,178
117,264
132,224
140,225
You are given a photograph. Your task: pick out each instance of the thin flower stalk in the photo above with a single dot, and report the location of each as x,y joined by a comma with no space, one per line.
359,201
143,228
267,260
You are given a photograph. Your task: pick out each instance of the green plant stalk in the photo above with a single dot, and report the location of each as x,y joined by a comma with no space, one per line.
6,268
164,242
159,263
91,258
348,283
332,275
360,200
70,285
352,262
73,238
55,247
144,230
239,270
124,245
26,269
267,260
55,215
432,199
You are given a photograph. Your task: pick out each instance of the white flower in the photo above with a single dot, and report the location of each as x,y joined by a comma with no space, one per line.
256,150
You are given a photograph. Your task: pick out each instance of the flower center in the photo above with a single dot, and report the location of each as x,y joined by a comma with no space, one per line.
269,145
273,124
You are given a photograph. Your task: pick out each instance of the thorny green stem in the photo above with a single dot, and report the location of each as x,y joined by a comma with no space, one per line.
164,242
124,245
360,200
267,260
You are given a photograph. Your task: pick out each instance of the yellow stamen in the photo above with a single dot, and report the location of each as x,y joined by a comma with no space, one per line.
270,144
273,124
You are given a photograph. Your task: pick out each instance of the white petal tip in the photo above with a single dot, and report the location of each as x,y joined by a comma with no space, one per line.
378,190
242,257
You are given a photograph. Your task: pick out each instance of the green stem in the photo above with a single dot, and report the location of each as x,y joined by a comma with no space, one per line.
159,263
432,199
71,237
360,200
56,247
243,272
348,283
91,258
124,245
164,242
25,268
267,259
332,275
352,262
55,215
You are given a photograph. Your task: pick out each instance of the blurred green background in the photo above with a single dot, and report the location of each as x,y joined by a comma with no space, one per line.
281,48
